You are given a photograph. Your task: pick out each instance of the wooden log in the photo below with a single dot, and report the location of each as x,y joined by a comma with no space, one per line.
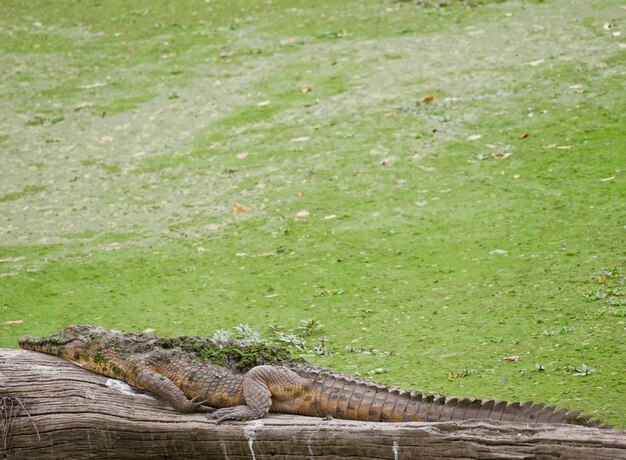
51,408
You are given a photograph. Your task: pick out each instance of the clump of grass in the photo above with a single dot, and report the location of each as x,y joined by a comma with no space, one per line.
297,340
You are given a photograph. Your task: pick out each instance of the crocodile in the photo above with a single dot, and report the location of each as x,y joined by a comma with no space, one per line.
238,380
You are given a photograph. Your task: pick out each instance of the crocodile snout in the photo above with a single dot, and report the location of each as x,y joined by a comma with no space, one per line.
25,341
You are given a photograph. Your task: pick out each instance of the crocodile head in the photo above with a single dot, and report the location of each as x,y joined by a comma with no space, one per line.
71,343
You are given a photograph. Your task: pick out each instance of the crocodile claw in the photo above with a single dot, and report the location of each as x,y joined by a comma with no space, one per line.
239,413
198,404
206,409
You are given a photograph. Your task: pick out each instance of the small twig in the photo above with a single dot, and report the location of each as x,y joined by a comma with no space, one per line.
6,417
8,412
29,418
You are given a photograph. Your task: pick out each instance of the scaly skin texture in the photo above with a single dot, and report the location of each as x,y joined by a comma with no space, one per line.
240,381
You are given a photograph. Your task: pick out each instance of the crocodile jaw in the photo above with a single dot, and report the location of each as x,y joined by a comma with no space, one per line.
68,343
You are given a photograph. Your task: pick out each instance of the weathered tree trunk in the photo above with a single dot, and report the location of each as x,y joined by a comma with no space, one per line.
49,408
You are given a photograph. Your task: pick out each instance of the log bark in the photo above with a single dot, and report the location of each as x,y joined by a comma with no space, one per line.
50,408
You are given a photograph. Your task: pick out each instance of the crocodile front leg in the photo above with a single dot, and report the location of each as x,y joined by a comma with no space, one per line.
164,388
260,385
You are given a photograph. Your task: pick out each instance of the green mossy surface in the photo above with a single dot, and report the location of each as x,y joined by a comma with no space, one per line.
235,355
131,131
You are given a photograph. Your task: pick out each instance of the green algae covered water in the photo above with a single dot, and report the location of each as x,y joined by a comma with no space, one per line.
441,186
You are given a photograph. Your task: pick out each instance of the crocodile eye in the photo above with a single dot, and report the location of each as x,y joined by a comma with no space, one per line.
64,340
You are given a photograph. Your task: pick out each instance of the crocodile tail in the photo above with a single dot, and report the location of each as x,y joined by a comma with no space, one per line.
345,397
396,405
341,396
348,398
434,408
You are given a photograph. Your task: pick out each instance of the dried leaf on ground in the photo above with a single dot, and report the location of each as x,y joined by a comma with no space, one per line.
302,214
387,160
288,40
93,85
12,259
238,208
82,106
511,358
